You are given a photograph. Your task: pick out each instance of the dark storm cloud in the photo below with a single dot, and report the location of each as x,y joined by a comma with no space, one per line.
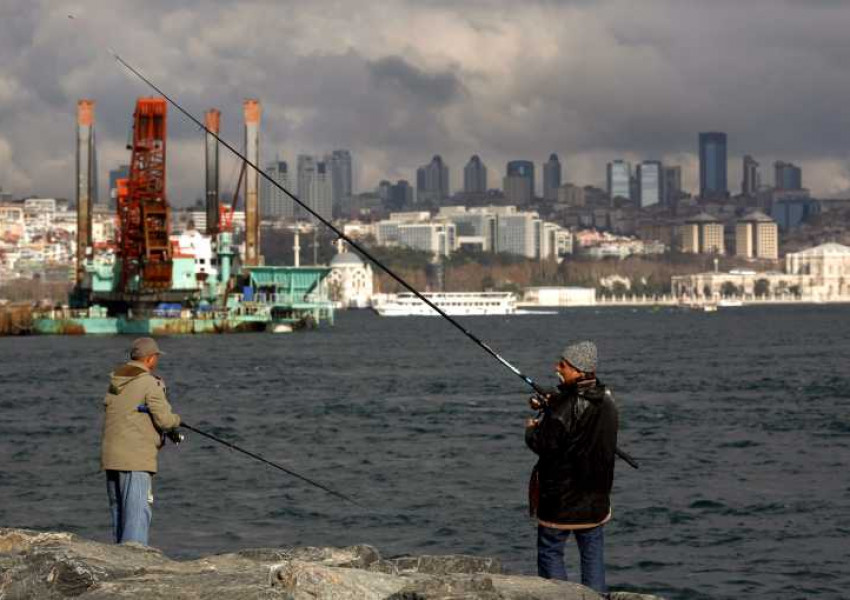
396,74
399,81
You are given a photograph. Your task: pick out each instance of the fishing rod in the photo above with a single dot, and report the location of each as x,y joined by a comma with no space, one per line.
539,390
179,438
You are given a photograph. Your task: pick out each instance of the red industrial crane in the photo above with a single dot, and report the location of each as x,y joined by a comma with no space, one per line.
144,220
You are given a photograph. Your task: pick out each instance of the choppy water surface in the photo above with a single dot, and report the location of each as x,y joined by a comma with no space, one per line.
740,419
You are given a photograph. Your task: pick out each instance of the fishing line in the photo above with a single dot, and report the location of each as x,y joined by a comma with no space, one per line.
528,380
271,464
143,408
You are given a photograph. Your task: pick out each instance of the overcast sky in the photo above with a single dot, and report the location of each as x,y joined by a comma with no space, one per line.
398,81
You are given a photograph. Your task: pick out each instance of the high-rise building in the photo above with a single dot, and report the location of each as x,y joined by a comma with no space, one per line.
384,188
306,169
751,180
787,176
571,195
518,234
395,197
649,183
551,178
439,238
315,185
339,163
518,183
672,185
122,172
619,179
432,182
712,165
475,176
792,208
551,241
478,223
757,236
274,204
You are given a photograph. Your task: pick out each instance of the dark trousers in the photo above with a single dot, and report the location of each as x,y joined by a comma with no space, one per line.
550,555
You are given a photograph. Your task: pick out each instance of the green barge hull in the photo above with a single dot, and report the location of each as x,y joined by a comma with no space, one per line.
151,326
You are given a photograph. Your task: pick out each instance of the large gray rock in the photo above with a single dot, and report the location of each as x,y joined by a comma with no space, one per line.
52,566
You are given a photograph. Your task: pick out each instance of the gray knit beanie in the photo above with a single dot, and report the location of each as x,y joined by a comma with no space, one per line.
581,355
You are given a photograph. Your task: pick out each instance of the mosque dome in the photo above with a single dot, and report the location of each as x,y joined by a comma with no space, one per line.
346,259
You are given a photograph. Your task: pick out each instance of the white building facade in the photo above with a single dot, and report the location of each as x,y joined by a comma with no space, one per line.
350,282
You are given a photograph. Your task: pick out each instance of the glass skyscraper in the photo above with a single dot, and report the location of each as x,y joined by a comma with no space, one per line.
274,203
787,176
475,176
619,179
551,177
339,162
518,184
649,183
750,179
432,181
712,165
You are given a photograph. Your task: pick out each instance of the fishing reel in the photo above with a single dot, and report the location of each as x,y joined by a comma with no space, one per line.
539,401
174,436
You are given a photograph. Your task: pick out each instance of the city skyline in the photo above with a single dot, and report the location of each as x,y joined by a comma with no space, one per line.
637,88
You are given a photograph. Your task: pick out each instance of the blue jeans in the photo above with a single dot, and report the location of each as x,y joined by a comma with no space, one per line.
550,555
130,502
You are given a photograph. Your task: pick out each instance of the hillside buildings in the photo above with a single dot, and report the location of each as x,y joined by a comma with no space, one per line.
38,238
571,195
703,234
757,236
484,229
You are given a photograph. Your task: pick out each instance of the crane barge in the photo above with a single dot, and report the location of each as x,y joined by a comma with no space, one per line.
151,281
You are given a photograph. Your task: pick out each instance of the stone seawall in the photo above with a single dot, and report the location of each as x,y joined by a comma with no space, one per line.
55,565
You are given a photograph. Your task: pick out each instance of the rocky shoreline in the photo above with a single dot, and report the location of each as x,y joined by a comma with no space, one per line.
53,565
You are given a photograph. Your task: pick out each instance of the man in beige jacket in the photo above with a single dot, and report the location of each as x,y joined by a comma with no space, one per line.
137,417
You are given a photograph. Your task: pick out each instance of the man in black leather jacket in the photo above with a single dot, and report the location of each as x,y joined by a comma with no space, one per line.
575,440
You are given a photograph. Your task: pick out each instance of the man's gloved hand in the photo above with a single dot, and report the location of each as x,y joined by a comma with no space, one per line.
536,402
174,435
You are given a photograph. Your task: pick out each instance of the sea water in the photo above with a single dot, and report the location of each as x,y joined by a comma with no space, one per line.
739,419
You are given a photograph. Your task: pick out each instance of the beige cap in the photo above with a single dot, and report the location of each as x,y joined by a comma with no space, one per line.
143,347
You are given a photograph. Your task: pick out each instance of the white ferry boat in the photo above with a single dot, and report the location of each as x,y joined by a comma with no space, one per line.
454,304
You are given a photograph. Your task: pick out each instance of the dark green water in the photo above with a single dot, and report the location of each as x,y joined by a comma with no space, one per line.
740,419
